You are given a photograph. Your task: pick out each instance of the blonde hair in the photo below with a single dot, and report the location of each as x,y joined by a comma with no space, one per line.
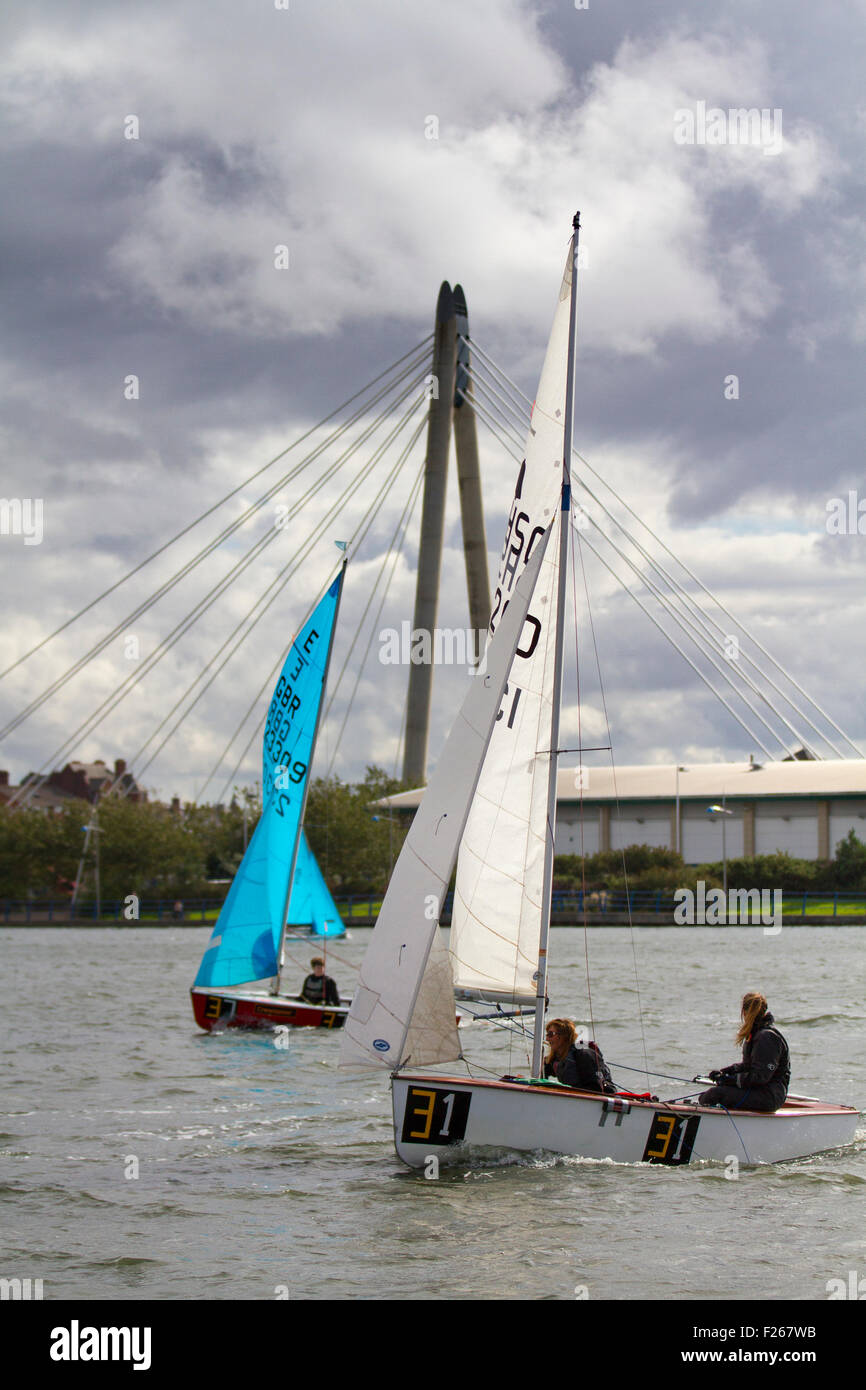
563,1025
753,1007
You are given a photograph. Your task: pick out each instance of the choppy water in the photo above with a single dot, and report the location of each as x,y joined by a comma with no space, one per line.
260,1166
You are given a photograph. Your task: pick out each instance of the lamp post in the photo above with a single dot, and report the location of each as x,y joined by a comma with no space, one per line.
714,811
390,819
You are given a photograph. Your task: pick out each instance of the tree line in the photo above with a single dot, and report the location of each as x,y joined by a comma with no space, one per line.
153,851
642,867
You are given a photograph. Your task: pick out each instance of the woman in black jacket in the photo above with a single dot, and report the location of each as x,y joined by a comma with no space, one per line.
760,1081
574,1064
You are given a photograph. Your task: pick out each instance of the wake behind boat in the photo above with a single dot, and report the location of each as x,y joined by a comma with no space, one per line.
492,797
279,887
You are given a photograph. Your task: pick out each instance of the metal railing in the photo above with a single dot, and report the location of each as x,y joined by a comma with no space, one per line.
364,907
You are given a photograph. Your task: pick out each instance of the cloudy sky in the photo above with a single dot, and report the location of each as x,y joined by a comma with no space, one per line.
155,156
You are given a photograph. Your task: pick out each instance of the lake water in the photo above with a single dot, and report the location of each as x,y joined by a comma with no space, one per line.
143,1159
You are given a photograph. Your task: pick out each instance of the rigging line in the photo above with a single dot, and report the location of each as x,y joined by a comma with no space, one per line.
681,623
371,512
704,618
289,570
413,498
642,1071
579,546
582,840
728,614
205,603
212,545
498,370
401,523
423,345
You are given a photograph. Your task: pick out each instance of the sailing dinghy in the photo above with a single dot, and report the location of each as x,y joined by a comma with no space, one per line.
492,797
279,888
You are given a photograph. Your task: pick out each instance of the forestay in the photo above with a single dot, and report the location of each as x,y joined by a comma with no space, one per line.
496,920
403,1006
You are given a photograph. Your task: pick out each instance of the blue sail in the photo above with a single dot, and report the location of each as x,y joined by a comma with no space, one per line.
246,938
312,904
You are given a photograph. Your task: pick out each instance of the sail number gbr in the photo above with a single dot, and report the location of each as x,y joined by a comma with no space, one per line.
435,1116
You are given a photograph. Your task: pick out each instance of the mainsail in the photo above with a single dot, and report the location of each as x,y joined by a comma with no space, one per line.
403,1007
498,904
246,940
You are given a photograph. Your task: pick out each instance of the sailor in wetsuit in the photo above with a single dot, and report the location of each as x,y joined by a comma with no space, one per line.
760,1081
319,988
572,1063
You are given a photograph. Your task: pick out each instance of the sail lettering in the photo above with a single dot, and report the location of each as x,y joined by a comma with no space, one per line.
284,706
515,550
533,641
514,702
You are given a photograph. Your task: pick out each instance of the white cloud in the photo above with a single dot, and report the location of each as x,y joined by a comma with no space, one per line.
311,148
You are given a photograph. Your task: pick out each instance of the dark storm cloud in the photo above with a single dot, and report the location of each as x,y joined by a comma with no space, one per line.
154,257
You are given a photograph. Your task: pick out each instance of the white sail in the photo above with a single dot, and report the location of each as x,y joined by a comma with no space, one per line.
496,920
403,1006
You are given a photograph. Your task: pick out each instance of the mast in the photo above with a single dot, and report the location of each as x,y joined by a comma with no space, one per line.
564,526
294,862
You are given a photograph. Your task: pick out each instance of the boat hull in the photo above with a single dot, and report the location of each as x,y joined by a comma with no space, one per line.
449,1118
246,1007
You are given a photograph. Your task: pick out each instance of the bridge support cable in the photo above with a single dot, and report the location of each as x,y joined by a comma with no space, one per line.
707,621
661,598
180,630
684,597
420,350
407,517
274,589
255,705
212,545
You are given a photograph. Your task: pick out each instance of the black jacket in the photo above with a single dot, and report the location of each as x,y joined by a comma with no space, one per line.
315,986
766,1061
583,1067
